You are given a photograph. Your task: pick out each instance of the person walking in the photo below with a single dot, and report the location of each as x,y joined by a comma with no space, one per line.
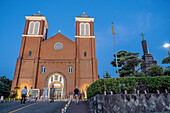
23,94
76,92
30,94
52,94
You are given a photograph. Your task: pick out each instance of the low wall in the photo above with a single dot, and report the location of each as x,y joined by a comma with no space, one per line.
130,103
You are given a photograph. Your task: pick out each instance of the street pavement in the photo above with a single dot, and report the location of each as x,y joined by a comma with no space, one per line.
32,107
82,107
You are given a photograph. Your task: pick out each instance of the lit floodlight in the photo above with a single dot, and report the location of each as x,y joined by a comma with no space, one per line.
166,45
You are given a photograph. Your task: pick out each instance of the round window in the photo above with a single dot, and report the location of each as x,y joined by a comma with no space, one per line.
58,46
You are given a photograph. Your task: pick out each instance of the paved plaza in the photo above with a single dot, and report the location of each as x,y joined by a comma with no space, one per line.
32,107
82,107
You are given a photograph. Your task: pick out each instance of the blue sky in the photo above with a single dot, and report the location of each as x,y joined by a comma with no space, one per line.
130,17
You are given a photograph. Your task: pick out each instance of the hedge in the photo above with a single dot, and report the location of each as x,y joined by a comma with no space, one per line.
131,84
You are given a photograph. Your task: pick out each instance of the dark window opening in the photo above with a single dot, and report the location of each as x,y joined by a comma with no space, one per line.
85,54
30,53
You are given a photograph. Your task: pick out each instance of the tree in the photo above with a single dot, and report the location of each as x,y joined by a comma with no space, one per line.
16,89
166,60
106,75
129,63
156,70
5,86
167,71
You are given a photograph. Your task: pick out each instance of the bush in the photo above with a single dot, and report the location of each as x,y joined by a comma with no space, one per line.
139,74
13,95
156,70
150,84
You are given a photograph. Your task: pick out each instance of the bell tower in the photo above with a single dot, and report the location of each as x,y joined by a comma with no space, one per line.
86,62
35,31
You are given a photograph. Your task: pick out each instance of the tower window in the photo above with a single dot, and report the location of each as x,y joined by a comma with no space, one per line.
30,53
85,54
34,28
70,69
84,29
43,69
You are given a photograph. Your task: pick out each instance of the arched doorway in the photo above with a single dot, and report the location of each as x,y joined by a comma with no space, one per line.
57,80
84,90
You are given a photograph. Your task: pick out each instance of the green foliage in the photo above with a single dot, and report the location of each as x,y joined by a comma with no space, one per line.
128,63
150,84
15,95
166,60
5,86
167,71
139,74
156,70
106,75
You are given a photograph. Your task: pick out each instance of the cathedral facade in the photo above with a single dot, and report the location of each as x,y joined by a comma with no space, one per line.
56,61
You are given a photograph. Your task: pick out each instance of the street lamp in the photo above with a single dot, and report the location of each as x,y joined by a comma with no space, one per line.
167,46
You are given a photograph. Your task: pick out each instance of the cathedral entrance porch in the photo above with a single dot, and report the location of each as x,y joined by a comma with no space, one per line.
59,82
58,90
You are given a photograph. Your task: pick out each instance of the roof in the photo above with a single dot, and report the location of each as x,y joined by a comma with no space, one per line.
83,15
37,14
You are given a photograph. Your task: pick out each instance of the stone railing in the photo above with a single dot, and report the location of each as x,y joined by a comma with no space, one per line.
130,103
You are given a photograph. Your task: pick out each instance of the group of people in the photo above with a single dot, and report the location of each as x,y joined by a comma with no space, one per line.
77,94
24,94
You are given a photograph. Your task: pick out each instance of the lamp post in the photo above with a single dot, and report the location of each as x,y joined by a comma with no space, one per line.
167,46
113,33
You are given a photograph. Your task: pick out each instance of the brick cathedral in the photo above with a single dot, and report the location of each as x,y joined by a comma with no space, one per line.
57,60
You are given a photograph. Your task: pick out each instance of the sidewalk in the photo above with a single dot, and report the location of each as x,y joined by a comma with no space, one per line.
82,107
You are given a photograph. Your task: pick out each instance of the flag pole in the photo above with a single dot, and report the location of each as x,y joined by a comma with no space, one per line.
113,33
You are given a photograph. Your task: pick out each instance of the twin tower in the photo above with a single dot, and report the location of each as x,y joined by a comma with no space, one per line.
56,61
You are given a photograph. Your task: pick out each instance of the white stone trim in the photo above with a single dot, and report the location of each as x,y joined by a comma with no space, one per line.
32,35
84,19
84,36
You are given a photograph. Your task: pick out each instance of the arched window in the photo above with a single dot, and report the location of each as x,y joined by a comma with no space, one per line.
81,29
30,53
70,69
87,29
60,79
42,69
31,27
84,29
36,28
56,77
85,54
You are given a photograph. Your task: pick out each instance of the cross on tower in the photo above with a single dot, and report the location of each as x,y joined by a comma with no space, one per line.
142,35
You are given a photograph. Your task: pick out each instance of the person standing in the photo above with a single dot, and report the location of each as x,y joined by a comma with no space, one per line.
52,93
30,94
36,97
80,96
23,94
76,92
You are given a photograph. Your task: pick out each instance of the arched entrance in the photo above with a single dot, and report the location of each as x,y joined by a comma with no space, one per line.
84,89
57,80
